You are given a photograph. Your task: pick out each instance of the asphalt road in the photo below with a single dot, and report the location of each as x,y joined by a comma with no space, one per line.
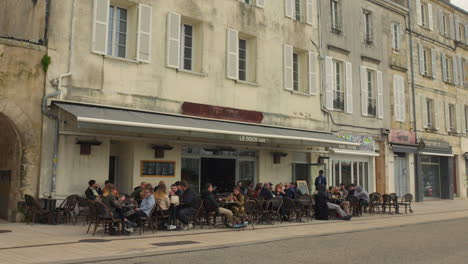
439,242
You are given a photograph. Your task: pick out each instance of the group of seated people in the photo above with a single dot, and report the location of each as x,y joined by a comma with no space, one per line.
337,198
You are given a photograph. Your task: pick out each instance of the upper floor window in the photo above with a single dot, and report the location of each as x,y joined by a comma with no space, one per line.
399,98
241,56
449,68
336,16
368,27
424,14
396,36
445,24
300,10
372,92
300,70
429,107
184,43
258,3
114,25
462,32
339,85
427,61
452,118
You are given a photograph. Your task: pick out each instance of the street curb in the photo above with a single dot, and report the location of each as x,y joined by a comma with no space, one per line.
239,244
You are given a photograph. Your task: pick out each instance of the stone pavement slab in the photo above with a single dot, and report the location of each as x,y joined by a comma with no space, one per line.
61,244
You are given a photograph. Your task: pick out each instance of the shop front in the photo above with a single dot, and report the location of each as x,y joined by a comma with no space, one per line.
354,164
403,145
128,147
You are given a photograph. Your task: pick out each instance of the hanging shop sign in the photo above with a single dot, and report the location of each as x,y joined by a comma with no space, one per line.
366,143
402,137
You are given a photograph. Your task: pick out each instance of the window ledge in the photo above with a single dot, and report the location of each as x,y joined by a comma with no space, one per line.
120,59
247,83
298,93
202,74
449,83
431,129
428,76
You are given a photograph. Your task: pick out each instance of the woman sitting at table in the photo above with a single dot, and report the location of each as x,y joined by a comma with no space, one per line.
164,203
237,200
279,191
337,198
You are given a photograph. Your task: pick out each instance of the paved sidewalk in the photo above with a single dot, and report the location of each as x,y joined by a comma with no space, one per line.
61,244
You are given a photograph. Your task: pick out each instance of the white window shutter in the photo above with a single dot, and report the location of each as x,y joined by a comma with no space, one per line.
441,22
444,66
173,40
144,33
394,46
349,88
447,117
289,8
466,34
424,119
380,101
460,70
463,117
438,113
434,63
260,3
232,56
288,67
457,28
402,99
329,83
418,12
421,58
396,98
458,118
310,12
431,17
100,26
364,95
312,73
452,26
455,70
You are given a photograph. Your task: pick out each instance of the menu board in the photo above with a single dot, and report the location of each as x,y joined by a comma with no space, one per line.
157,168
302,185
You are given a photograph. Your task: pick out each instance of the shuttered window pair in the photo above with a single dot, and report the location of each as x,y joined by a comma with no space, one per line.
399,98
431,113
424,14
294,66
450,67
446,24
240,56
396,36
301,10
338,85
461,31
258,3
110,31
372,103
455,117
427,61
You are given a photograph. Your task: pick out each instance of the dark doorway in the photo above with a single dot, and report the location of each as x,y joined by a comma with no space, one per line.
113,163
219,172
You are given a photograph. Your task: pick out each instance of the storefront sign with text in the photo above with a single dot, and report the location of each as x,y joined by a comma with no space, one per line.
252,139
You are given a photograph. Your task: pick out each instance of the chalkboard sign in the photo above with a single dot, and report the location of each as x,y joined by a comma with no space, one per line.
157,168
302,185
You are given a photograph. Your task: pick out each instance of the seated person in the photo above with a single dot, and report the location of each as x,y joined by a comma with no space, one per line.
279,192
189,205
322,205
210,204
164,203
351,189
239,201
137,190
146,205
337,198
107,185
111,201
266,193
93,192
179,189
173,197
343,190
362,195
291,191
257,190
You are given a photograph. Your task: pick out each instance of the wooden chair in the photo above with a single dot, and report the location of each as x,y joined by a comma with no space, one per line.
147,221
66,210
105,217
276,205
387,203
289,208
355,205
92,217
250,213
406,202
35,211
375,203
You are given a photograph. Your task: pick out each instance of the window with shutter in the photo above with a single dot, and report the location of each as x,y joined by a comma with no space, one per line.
338,85
144,33
289,8
329,83
336,16
173,40
232,57
100,26
313,73
349,88
191,45
288,67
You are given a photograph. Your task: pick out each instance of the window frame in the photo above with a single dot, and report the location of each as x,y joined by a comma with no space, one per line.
339,64
296,72
368,27
246,59
336,16
396,37
114,38
371,92
427,55
430,113
183,46
452,118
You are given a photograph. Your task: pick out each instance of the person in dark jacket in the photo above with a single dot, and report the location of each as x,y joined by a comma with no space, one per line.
136,194
291,191
93,192
266,193
189,205
210,204
321,206
320,180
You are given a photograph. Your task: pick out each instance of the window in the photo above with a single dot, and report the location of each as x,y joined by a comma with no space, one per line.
452,118
338,88
427,61
462,32
184,43
117,39
444,24
350,172
430,113
297,10
424,15
300,70
241,56
447,68
258,3
368,31
399,98
396,36
371,94
463,72
466,119
336,16
295,72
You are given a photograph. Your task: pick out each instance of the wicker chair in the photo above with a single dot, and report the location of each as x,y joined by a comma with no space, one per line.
147,221
105,217
35,211
289,208
304,208
375,203
387,203
250,213
66,210
406,202
355,205
83,210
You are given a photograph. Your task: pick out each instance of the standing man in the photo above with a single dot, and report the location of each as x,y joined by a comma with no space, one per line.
320,180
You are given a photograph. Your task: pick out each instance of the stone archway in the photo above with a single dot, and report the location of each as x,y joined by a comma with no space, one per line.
10,160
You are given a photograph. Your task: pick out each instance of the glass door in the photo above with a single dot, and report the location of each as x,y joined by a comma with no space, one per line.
431,176
191,172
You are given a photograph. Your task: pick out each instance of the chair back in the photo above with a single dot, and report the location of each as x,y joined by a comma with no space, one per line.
276,203
92,209
353,199
407,198
30,201
102,210
386,199
82,202
288,205
250,207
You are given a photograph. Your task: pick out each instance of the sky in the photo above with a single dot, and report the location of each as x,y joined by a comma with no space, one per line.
461,3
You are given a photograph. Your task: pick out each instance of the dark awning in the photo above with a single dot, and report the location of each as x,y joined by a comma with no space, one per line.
98,117
405,148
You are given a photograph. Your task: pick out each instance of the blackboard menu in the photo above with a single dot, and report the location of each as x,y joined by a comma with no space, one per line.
156,168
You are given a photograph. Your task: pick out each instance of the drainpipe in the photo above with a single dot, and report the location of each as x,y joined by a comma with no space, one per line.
417,160
58,84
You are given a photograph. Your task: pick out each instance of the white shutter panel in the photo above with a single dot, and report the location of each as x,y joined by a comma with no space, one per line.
447,117
173,40
144,33
100,26
418,12
455,70
329,83
444,67
457,29
364,95
466,34
394,45
312,73
349,88
289,8
441,22
452,26
434,63
439,113
232,56
460,70
458,118
380,101
424,119
421,58
463,117
402,99
396,98
310,12
288,67
260,3
431,17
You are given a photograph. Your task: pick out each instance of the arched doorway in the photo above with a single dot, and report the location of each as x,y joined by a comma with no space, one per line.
10,152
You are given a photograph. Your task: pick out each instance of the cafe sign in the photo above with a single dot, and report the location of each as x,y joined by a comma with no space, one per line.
402,137
252,139
366,143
